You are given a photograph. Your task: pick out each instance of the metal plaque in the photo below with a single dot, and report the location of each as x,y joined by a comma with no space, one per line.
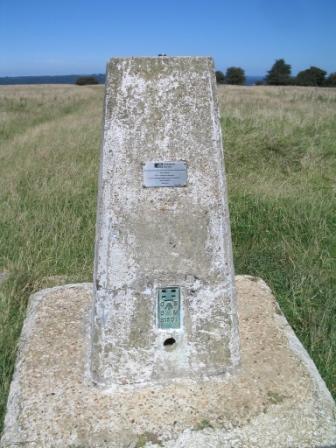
169,307
165,174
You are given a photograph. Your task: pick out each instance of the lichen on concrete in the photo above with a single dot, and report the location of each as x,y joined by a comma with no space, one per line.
162,109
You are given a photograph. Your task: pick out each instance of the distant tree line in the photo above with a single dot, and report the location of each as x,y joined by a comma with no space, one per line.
233,75
280,75
86,81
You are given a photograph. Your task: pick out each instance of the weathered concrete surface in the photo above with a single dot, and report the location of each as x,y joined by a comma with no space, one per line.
276,399
162,109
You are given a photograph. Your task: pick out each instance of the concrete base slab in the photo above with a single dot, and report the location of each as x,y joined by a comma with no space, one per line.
275,399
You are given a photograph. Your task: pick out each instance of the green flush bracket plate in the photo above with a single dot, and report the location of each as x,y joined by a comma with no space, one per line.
169,307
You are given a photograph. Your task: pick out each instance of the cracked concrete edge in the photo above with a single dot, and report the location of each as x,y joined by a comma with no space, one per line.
296,346
294,343
13,401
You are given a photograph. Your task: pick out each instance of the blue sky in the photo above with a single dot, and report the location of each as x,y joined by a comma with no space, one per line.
64,37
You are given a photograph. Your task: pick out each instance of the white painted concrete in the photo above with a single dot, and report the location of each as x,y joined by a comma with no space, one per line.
162,109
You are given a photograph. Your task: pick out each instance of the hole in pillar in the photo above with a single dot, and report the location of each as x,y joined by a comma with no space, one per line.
169,342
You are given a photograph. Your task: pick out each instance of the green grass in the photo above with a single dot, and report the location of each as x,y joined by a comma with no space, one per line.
281,163
49,150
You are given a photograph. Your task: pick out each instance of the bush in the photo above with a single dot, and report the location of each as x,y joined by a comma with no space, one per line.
279,74
86,81
220,78
235,75
331,80
313,76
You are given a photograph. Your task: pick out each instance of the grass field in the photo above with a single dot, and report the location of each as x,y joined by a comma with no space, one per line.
280,146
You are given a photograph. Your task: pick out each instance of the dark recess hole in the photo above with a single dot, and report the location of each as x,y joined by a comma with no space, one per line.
169,342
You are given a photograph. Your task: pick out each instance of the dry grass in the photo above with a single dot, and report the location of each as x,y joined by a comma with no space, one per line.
280,147
281,165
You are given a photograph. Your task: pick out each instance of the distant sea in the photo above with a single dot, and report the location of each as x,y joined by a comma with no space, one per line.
71,79
57,79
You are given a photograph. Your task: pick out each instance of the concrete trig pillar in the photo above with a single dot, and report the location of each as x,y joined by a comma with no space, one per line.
164,304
